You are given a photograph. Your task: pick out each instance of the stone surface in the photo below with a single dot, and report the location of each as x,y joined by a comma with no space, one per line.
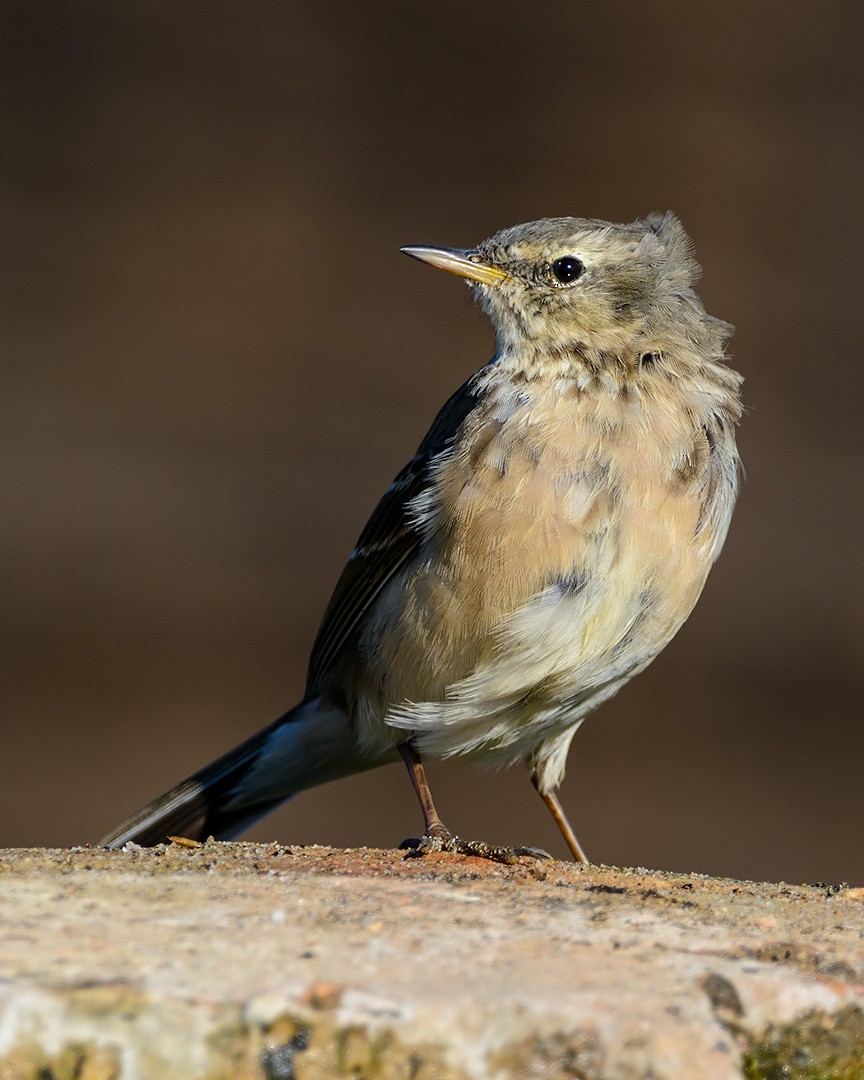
258,961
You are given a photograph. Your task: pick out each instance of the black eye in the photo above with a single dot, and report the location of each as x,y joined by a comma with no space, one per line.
567,269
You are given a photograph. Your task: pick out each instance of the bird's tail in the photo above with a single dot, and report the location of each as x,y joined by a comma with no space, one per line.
309,745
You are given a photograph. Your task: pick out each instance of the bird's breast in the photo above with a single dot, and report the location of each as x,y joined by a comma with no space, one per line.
557,495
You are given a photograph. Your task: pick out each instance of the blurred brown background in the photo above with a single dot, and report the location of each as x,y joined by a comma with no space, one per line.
214,359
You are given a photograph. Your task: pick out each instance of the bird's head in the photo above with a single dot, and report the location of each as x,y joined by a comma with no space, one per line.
589,288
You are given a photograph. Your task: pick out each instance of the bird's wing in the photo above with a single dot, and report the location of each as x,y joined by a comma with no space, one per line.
389,539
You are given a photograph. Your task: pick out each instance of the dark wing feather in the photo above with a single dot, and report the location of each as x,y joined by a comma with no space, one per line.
389,539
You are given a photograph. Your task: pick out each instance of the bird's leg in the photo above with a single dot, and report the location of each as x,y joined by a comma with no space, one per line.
432,824
557,811
436,835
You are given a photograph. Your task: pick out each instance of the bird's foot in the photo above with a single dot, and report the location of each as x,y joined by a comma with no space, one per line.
443,840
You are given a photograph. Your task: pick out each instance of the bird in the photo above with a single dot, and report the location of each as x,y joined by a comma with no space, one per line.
549,537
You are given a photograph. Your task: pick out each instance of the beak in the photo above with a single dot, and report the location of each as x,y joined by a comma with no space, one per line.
466,263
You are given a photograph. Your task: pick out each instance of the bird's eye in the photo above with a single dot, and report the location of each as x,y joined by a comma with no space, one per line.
566,269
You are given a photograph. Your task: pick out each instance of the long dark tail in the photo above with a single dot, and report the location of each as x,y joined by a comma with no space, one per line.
307,746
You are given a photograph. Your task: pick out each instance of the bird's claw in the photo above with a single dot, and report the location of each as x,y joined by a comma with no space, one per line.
479,849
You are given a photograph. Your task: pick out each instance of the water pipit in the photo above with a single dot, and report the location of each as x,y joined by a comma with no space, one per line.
549,537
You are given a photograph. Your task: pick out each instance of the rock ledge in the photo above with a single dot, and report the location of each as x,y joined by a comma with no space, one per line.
259,961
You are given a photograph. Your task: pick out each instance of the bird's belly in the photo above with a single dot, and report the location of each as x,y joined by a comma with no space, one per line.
539,591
